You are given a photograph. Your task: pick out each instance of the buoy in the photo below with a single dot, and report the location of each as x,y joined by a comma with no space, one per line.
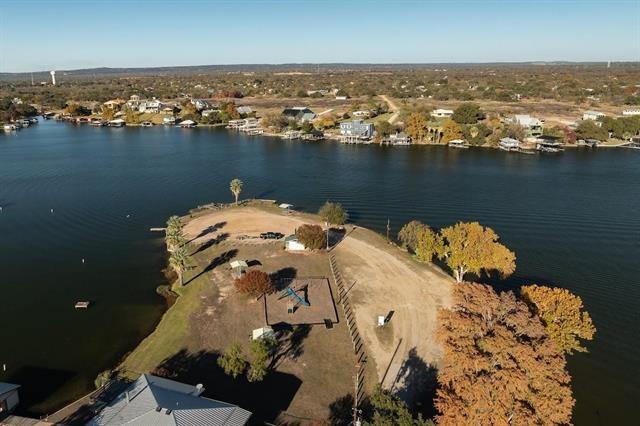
83,260
51,211
127,216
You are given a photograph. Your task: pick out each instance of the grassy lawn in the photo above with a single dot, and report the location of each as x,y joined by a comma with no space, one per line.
313,366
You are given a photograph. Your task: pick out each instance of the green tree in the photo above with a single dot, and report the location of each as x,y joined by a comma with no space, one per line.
178,262
174,235
470,247
332,214
236,188
390,410
428,245
467,113
233,361
409,234
561,312
588,129
261,350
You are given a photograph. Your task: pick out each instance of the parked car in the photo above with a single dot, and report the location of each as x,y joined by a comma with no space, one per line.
271,235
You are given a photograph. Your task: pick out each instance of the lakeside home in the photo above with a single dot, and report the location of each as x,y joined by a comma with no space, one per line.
152,400
442,113
509,144
630,112
533,126
592,115
356,131
299,114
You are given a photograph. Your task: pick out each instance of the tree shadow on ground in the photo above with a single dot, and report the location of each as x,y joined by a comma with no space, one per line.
222,259
418,383
282,277
208,230
264,399
290,342
211,242
341,410
33,389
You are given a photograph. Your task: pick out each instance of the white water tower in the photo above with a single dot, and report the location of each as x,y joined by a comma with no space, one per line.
53,77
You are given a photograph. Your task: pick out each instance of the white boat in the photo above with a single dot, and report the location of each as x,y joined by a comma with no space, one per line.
10,128
187,124
146,124
458,143
118,122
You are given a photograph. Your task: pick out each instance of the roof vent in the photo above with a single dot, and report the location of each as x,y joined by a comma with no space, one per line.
199,388
158,408
168,411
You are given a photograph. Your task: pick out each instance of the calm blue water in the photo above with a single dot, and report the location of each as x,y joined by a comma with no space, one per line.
573,220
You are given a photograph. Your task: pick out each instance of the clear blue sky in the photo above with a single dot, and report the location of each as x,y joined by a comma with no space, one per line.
70,34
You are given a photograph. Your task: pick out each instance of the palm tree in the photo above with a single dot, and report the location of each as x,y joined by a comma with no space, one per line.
178,262
236,188
173,232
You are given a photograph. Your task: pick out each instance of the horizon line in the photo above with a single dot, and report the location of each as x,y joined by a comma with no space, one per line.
284,64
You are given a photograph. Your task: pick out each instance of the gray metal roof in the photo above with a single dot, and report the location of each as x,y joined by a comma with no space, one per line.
152,400
7,387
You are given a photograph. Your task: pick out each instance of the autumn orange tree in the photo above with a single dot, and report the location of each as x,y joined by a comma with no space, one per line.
450,131
312,236
500,366
470,247
417,126
254,283
561,313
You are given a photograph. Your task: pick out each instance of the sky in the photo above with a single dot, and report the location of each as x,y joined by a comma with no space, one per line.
40,35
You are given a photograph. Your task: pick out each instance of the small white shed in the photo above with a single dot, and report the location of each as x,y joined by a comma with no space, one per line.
291,243
261,332
8,397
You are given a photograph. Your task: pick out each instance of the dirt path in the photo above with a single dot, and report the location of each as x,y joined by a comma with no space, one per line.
393,107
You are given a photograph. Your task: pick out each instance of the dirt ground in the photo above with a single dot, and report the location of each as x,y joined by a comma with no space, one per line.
383,280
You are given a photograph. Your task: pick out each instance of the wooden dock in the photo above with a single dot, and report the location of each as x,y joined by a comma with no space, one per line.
157,229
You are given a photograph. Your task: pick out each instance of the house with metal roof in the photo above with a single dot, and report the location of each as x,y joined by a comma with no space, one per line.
299,113
533,126
357,128
152,400
8,398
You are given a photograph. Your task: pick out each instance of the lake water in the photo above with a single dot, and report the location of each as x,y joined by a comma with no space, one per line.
573,220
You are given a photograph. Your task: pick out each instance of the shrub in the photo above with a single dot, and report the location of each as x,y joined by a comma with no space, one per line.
232,361
312,236
254,283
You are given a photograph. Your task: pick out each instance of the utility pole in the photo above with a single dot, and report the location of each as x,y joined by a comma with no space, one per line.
356,411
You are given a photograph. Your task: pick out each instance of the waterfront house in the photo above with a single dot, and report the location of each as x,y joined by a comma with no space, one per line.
291,243
134,101
244,110
532,125
299,113
357,128
442,113
631,112
396,139
202,104
592,115
9,398
152,106
509,144
114,104
152,400
169,120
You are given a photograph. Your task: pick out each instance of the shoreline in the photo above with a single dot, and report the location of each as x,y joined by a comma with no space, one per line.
415,310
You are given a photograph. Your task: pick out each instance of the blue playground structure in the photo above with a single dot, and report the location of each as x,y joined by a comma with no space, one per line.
289,292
